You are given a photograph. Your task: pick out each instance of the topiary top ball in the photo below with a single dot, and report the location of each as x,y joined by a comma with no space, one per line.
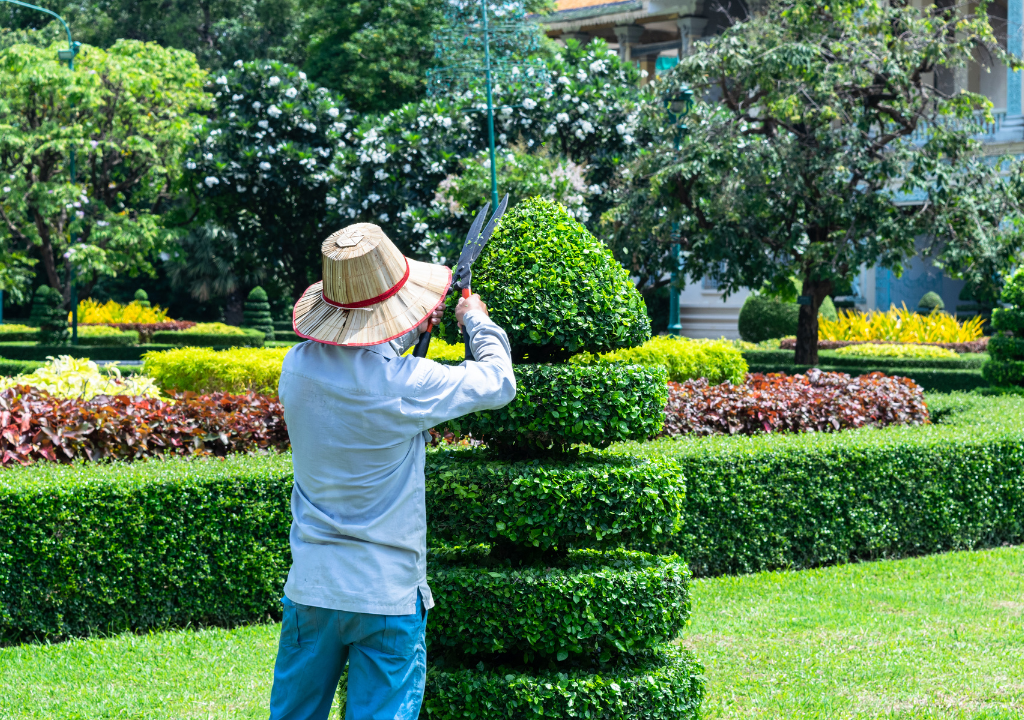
931,301
555,288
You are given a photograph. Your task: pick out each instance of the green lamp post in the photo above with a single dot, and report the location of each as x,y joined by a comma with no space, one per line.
677,106
63,56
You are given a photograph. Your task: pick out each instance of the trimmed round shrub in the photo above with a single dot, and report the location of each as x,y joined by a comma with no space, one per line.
561,405
142,298
588,603
667,685
595,501
554,288
682,358
930,301
256,314
50,316
764,318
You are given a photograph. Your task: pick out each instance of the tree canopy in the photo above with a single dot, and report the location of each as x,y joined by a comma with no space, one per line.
824,140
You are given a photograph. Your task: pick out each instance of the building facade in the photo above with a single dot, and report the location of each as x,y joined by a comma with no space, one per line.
656,33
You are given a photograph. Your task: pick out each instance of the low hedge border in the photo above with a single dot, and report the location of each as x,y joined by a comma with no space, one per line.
593,502
587,604
930,379
100,353
252,338
831,358
561,405
115,546
667,686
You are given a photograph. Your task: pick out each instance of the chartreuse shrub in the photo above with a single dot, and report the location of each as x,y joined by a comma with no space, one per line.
205,370
716,360
896,350
1006,368
554,287
80,378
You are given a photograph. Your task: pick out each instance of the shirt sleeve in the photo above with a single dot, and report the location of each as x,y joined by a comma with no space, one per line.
402,344
487,383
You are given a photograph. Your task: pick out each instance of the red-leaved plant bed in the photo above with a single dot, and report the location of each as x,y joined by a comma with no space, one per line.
37,426
815,402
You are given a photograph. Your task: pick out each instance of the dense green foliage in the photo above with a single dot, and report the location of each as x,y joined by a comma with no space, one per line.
1006,368
589,502
131,546
931,300
50,315
804,500
585,604
668,685
128,114
683,359
792,153
860,363
763,317
142,298
560,405
555,288
250,338
257,313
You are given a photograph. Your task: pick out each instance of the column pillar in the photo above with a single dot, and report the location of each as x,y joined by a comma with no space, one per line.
1012,129
691,29
628,35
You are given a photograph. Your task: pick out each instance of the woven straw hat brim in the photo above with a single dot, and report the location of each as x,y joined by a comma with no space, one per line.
315,319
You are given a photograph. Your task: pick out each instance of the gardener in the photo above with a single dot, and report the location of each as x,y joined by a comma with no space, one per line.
358,413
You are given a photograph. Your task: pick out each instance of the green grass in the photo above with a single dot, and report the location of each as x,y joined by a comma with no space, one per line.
934,637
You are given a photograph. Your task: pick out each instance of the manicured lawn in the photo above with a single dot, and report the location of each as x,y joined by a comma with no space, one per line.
934,637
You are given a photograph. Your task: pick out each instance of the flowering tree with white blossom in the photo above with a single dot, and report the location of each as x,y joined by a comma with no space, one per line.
263,170
390,169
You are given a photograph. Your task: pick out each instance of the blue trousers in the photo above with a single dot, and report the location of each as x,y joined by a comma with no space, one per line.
386,655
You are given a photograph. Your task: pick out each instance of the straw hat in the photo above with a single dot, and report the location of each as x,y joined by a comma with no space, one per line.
370,292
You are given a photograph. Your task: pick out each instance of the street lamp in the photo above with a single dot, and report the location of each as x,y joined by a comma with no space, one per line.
63,56
677,106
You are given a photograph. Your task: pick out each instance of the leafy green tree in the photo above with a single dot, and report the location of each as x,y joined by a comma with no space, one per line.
127,114
829,145
261,171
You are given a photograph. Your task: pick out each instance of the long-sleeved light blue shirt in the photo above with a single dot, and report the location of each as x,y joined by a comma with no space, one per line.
358,421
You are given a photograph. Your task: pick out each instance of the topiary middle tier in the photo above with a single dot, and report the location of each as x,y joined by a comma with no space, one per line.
557,406
586,605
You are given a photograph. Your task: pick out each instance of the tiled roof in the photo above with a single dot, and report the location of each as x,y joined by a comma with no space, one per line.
569,10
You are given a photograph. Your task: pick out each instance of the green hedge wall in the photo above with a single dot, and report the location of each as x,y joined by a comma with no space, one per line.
39,353
934,380
855,364
18,367
559,405
111,547
668,685
588,604
123,339
252,338
592,502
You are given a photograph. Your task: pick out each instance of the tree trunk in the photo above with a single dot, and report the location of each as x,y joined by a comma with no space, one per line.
233,308
807,325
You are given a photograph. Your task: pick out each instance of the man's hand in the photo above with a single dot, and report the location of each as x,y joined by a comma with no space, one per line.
434,318
473,302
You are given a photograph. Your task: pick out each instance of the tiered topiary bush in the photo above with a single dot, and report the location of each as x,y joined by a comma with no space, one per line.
50,316
550,601
1006,349
142,298
256,314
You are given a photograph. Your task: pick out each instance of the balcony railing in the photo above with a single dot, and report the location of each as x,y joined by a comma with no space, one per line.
987,134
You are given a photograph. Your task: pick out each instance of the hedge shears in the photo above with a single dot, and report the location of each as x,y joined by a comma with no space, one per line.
475,242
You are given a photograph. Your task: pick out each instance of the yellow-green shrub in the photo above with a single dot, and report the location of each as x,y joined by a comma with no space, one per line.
82,379
896,351
206,370
683,358
15,328
90,311
98,331
214,328
899,325
440,350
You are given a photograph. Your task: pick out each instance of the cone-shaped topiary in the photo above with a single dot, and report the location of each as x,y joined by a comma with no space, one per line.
142,298
555,288
1006,349
930,301
49,314
256,314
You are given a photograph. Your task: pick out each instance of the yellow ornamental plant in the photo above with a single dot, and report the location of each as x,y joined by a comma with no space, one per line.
899,325
82,379
92,312
889,350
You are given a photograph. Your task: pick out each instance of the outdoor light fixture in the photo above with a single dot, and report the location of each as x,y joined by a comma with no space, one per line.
677,106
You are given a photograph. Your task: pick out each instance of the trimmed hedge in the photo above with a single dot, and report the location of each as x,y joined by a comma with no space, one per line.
588,603
113,547
10,368
668,685
560,405
205,370
930,379
834,359
122,339
595,502
797,501
100,353
251,338
683,359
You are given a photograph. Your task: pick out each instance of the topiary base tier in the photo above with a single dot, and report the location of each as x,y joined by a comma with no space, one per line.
668,685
